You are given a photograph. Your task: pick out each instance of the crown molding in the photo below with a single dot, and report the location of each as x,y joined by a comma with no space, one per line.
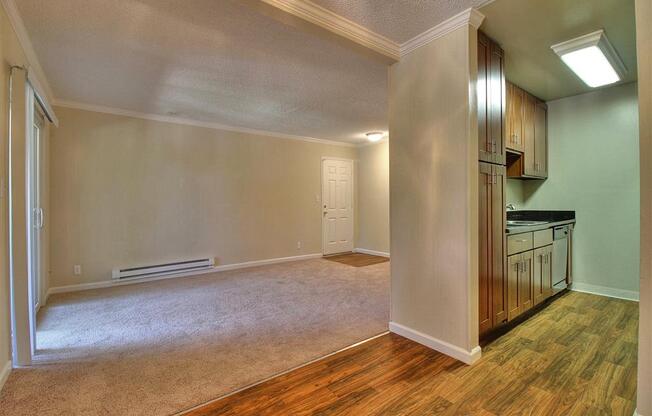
195,123
326,19
470,17
25,42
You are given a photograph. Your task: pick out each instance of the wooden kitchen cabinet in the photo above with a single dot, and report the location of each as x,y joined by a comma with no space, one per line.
492,279
519,284
529,270
514,118
529,110
490,87
514,265
542,274
527,135
525,292
541,139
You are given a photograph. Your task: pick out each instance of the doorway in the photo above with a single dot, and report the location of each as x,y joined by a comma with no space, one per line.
337,205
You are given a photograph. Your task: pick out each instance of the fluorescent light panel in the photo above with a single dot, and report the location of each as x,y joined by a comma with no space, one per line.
592,58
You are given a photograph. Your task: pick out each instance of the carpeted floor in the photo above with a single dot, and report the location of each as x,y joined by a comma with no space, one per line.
160,347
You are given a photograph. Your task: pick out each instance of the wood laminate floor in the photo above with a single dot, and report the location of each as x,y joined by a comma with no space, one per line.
575,357
357,259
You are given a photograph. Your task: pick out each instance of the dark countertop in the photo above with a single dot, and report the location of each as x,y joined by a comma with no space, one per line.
549,218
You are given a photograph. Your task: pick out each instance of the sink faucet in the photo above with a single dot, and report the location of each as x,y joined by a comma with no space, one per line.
510,207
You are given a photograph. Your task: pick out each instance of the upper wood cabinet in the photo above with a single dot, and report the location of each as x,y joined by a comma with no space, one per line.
527,135
541,139
514,118
529,106
492,279
491,101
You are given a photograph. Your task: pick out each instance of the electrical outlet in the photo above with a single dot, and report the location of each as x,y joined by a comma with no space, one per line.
77,269
298,245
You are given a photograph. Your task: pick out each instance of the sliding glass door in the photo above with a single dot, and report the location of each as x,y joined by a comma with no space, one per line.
35,136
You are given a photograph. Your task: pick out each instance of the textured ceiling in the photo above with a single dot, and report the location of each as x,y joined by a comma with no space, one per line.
527,28
212,61
220,61
398,20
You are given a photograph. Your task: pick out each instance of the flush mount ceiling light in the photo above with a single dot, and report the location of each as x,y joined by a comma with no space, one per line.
592,58
375,136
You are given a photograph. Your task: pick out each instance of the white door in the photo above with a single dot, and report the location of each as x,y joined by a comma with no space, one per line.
337,204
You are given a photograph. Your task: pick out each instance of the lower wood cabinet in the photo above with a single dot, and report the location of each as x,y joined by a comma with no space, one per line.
529,271
542,275
519,284
492,283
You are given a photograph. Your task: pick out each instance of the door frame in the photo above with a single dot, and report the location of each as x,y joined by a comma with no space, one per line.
321,198
21,219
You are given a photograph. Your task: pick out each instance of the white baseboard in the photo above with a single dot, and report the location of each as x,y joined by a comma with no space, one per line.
467,357
4,373
371,252
221,268
605,291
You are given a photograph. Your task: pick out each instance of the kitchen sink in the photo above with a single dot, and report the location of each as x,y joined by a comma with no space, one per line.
523,223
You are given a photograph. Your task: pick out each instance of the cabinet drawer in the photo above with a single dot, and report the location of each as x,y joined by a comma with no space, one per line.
519,243
542,238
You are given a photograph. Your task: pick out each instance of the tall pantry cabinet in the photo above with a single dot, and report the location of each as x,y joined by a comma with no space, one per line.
492,284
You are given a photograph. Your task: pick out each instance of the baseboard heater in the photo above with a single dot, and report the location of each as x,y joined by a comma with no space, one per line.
162,269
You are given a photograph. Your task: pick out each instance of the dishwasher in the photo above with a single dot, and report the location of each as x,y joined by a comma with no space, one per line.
560,258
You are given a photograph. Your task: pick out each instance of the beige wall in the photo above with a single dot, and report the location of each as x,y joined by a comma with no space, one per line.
433,190
373,197
593,167
127,192
644,49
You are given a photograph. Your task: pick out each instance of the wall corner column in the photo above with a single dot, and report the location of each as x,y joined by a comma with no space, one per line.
434,191
644,52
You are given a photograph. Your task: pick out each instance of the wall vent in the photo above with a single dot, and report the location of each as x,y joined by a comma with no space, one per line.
162,269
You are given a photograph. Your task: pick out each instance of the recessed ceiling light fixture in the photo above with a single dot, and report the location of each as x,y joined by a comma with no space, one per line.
375,136
592,58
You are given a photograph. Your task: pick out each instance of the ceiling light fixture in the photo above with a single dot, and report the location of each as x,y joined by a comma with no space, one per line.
375,136
592,58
